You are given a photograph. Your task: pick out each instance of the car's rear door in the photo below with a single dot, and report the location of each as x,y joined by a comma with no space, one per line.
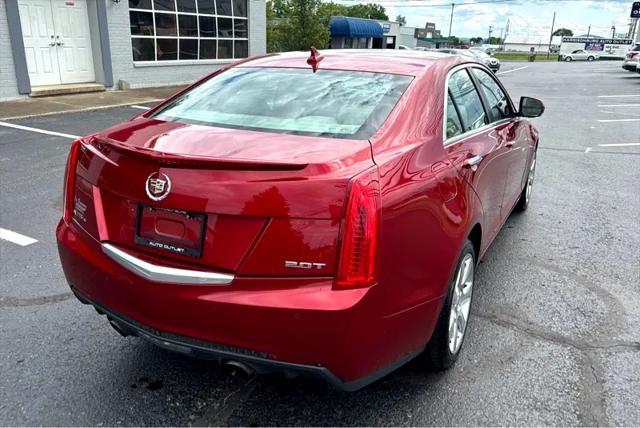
474,147
511,132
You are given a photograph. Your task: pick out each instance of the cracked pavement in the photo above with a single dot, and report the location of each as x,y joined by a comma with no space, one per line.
554,337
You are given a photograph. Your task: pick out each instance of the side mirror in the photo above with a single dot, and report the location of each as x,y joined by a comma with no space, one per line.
530,107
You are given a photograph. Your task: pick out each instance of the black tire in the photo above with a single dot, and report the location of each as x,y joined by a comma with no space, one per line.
438,355
590,58
525,199
568,59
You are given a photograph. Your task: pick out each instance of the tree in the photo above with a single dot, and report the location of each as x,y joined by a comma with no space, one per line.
298,24
369,10
476,40
494,41
453,40
299,28
278,8
401,20
327,10
563,32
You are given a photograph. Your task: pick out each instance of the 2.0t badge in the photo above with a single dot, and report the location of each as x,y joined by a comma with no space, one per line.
158,186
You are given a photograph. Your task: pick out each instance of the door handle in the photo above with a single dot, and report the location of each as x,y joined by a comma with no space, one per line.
58,41
475,160
52,43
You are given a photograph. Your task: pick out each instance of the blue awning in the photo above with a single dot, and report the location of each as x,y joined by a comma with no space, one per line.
341,26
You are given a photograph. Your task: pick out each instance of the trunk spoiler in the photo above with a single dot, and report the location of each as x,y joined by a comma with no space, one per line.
179,160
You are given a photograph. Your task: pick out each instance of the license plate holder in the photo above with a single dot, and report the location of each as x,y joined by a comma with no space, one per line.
175,231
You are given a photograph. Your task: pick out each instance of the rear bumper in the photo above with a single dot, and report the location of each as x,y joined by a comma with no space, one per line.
257,361
630,66
291,325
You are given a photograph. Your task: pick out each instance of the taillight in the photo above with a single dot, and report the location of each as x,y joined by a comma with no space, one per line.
70,180
358,256
633,54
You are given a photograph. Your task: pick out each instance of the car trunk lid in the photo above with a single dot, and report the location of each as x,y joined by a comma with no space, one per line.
238,201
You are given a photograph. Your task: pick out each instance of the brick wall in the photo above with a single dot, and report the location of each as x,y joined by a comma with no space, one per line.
159,75
8,84
122,62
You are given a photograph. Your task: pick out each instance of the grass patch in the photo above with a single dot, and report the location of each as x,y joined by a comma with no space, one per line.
521,56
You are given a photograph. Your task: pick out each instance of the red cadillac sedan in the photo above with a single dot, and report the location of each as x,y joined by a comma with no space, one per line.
318,215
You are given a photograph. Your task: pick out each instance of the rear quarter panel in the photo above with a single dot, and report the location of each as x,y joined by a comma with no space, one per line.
428,209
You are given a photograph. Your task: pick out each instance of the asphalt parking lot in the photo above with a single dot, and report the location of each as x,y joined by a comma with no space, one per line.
554,337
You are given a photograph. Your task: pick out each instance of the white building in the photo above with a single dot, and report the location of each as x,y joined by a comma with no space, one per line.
525,43
406,37
130,43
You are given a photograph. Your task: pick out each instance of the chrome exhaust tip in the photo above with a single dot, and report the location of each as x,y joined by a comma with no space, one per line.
246,369
117,327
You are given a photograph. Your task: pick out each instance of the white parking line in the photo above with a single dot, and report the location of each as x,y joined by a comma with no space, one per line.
16,238
38,130
140,107
587,150
621,113
619,96
514,69
619,145
618,120
618,105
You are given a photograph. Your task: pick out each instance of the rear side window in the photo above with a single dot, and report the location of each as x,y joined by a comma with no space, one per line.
341,104
498,103
454,126
467,100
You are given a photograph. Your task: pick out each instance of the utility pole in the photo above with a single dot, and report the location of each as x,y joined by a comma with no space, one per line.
490,30
451,18
613,31
553,23
589,31
506,34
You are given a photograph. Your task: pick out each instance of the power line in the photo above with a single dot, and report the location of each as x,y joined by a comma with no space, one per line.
447,5
412,3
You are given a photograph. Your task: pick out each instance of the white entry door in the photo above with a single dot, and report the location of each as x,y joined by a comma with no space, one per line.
73,41
57,41
38,34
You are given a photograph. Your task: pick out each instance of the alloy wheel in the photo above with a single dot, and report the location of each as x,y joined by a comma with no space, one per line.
532,173
461,303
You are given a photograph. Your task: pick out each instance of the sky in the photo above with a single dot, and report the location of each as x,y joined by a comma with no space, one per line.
529,19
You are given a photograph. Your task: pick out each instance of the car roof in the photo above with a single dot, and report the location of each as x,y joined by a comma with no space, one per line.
408,62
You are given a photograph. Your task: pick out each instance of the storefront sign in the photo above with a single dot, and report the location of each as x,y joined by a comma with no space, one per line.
612,47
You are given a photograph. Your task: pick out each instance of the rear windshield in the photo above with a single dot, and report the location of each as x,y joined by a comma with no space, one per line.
341,104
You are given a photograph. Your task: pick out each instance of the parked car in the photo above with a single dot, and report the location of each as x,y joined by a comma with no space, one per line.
475,55
630,59
404,48
485,49
488,60
580,55
281,219
460,52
